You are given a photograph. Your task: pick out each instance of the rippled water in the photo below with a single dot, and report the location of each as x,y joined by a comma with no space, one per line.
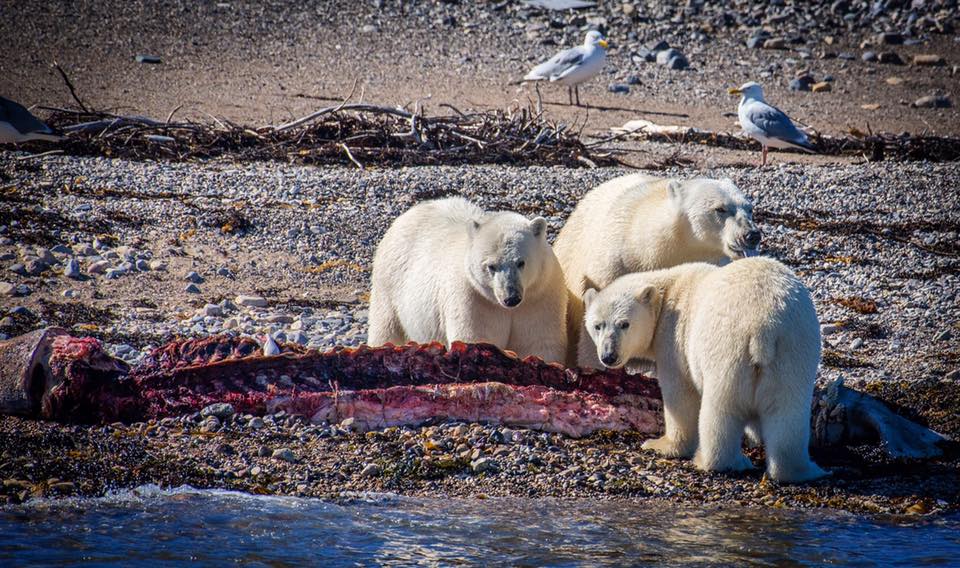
149,526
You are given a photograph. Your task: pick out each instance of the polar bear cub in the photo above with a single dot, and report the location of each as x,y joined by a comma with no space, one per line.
448,271
734,346
636,222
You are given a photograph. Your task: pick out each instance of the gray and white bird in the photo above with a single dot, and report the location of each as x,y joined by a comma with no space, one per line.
17,125
573,66
765,123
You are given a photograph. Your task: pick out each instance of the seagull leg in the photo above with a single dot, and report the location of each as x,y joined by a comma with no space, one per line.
570,94
764,162
576,89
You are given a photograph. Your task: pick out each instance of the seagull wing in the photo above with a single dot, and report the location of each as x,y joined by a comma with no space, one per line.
776,124
558,65
20,118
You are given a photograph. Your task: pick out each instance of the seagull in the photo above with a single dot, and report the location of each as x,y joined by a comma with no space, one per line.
573,66
767,124
18,125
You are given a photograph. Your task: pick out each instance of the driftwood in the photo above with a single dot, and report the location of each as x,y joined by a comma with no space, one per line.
868,145
356,134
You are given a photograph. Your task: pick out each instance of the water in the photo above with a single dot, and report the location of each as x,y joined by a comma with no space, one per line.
149,526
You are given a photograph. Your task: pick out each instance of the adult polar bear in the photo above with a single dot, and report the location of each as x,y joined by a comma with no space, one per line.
635,223
735,346
447,271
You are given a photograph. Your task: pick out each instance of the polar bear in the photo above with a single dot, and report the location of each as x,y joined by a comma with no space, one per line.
446,271
637,222
734,346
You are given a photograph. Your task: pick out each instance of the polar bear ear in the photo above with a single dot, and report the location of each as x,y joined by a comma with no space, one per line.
589,296
647,295
675,191
539,227
473,227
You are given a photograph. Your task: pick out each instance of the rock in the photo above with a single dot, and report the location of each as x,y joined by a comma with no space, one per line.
822,87
890,58
142,265
280,318
928,60
856,344
953,375
226,449
802,83
628,9
8,322
618,88
36,267
285,454
251,301
829,329
221,410
148,59
193,277
658,46
775,43
349,424
191,288
114,273
633,80
370,470
270,347
212,310
894,81
84,250
99,267
72,269
7,289
63,487
678,63
483,465
18,269
264,452
255,423
664,57
938,101
869,56
61,249
225,272
158,265
846,56
21,311
211,424
890,38
944,335
369,29
870,106
298,337
71,293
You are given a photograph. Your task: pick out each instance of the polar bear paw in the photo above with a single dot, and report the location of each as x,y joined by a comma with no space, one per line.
739,462
668,447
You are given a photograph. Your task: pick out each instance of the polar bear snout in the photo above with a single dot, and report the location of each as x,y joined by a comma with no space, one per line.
752,239
512,301
609,358
508,288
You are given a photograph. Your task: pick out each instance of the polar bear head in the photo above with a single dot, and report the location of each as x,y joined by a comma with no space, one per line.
621,320
719,215
506,256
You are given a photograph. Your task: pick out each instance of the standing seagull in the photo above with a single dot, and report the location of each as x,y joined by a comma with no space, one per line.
573,66
18,125
767,124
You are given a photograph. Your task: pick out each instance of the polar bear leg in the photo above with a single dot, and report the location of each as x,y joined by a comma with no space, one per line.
786,440
384,325
681,406
721,436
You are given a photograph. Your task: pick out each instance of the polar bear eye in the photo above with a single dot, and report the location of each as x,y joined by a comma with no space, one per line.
521,264
491,268
597,327
624,325
721,210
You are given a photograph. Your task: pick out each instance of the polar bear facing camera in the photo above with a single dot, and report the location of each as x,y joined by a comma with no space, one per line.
635,223
735,346
447,271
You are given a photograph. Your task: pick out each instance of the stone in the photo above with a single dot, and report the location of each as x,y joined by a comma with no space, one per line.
158,265
256,423
894,81
944,335
21,311
255,471
856,344
225,272
148,59
114,273
280,318
890,58
221,410
618,88
928,60
251,301
142,265
664,57
802,83
211,310
63,487
61,249
72,269
36,267
192,276
870,106
18,269
869,56
938,101
99,267
370,470
678,63
775,43
84,250
658,46
822,87
633,80
628,9
757,41
483,465
369,29
192,288
285,454
298,337
890,38
829,329
264,452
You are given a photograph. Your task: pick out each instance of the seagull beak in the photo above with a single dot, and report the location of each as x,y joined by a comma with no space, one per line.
603,43
733,91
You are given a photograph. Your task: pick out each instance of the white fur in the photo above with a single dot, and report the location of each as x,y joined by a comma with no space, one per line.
432,281
734,346
637,222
